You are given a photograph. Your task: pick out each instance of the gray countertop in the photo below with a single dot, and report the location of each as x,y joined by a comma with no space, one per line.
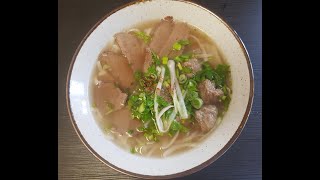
242,161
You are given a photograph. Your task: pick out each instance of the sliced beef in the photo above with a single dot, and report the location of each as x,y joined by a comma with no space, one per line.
119,68
194,65
180,31
105,77
206,116
148,60
132,48
122,122
109,98
208,93
161,33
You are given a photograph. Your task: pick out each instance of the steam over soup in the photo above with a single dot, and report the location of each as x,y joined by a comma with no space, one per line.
160,88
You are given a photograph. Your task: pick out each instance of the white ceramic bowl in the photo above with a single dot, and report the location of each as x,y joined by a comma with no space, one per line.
182,164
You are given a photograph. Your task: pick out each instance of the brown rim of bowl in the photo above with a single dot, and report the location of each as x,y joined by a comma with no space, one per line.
194,169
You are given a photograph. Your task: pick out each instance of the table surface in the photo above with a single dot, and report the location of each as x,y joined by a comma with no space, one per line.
242,161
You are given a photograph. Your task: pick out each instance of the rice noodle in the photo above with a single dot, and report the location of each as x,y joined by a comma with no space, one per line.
200,45
123,140
192,136
206,135
152,150
150,142
171,142
96,81
176,147
99,66
140,149
115,48
203,55
138,141
102,72
164,110
148,31
133,30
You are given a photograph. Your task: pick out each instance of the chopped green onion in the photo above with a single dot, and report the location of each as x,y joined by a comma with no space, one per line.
133,150
153,76
143,36
141,108
166,84
191,95
179,66
165,60
182,78
177,46
191,85
197,103
141,82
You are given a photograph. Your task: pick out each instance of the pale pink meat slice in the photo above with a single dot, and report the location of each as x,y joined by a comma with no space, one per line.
209,93
148,60
105,77
109,98
122,121
180,32
132,48
206,116
160,34
119,68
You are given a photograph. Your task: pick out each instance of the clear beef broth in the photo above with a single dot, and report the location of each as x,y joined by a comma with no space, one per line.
118,124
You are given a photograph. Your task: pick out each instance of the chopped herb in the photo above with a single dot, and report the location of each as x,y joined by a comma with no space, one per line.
225,98
184,42
162,101
152,70
142,35
176,126
155,58
179,44
138,75
218,75
130,132
133,150
183,57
